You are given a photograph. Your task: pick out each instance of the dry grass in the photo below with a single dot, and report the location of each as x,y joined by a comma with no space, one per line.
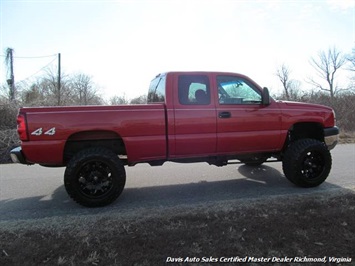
310,225
346,137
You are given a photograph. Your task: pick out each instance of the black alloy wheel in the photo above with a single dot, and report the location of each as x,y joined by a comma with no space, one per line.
95,177
307,162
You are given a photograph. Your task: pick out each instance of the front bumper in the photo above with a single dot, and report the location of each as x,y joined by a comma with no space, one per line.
17,156
331,136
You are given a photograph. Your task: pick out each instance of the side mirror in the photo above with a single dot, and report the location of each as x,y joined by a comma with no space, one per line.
265,96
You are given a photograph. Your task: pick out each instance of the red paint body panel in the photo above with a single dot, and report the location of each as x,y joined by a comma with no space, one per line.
169,130
44,152
250,129
304,112
132,123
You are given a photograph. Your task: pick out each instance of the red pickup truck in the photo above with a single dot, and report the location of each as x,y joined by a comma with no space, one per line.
211,117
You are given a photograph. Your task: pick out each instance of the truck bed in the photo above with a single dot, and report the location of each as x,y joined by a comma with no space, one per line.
141,127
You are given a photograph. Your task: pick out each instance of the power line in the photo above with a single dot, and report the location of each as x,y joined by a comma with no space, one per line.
31,57
35,57
23,80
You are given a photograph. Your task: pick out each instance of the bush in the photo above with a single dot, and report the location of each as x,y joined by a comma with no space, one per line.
8,133
8,114
344,110
8,140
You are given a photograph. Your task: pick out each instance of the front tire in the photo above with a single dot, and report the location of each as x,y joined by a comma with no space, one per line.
307,163
94,177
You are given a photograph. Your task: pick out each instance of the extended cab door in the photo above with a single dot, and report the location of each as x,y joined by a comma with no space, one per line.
195,115
244,124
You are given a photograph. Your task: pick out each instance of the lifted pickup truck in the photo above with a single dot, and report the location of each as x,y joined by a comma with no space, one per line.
208,117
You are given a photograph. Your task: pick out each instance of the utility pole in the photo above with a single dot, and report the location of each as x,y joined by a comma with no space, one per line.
59,78
11,81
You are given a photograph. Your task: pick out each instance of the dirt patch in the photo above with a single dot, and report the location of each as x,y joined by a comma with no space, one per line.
302,228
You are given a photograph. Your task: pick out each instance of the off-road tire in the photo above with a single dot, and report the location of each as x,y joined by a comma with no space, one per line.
307,163
94,177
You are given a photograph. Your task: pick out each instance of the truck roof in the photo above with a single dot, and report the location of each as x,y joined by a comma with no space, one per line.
201,72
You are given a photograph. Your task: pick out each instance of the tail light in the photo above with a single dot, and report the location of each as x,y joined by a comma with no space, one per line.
21,127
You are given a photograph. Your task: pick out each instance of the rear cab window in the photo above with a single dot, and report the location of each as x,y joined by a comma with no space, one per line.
156,92
194,90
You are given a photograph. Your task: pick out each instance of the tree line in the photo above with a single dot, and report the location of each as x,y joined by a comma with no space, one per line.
74,89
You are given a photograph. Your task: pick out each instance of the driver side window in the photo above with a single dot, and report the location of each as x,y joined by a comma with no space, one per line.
235,90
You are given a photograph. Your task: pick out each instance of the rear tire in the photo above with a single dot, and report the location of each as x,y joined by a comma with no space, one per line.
307,163
94,177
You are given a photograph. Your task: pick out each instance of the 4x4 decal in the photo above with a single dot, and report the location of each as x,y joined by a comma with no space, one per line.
39,132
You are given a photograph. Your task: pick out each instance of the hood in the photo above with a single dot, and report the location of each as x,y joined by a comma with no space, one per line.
306,105
307,112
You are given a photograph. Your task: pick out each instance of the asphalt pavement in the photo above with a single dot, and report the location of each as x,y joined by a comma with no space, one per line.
31,192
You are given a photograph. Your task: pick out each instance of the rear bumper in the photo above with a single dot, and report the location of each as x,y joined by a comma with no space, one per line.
331,136
17,156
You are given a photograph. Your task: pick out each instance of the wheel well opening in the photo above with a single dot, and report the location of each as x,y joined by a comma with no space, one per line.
305,130
88,139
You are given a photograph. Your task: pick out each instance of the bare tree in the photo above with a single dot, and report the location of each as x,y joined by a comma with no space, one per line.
4,93
289,85
326,66
139,100
85,92
117,100
33,96
283,73
47,87
42,92
351,60
76,89
352,63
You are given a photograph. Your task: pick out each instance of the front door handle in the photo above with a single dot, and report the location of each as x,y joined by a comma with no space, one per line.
224,115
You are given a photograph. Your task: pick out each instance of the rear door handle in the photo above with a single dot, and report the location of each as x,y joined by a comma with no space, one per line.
224,115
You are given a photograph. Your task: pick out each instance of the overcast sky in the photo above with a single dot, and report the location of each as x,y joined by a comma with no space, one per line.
124,44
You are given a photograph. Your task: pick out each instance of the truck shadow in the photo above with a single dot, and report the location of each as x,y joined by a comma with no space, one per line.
259,182
256,183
